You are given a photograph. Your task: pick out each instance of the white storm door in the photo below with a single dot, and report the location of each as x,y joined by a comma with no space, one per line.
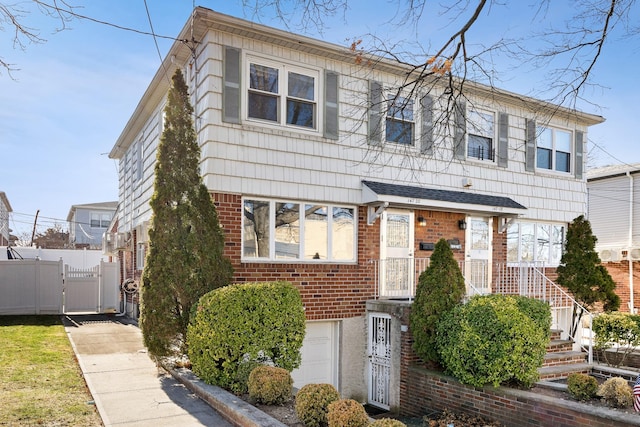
397,273
478,254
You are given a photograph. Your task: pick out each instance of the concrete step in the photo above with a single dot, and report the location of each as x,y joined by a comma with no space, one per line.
564,358
562,371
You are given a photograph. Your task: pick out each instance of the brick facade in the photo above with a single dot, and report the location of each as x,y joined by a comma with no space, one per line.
331,291
619,272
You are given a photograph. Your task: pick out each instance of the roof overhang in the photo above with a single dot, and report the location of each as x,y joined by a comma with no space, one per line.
381,194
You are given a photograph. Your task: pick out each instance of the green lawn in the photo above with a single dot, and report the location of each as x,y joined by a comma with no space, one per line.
40,381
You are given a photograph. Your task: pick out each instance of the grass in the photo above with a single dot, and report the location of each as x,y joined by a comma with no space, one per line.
40,381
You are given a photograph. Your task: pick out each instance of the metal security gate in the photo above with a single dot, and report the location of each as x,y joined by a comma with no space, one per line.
379,350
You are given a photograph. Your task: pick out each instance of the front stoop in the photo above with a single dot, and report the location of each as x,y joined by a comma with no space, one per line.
561,360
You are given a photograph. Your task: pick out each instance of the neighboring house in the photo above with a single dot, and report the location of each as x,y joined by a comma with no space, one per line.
5,210
315,184
614,214
88,223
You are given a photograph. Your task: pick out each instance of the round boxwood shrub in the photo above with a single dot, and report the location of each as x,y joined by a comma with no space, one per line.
387,422
347,413
270,385
616,392
312,402
582,386
234,325
491,340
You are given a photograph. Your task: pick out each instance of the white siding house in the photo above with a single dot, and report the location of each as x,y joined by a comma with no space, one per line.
89,222
292,124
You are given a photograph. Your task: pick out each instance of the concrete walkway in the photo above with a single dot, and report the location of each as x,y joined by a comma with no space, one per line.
127,387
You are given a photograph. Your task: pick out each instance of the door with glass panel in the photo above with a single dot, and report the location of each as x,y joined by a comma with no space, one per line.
397,275
478,248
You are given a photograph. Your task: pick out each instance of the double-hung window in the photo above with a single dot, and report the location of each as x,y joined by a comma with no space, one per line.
295,231
399,126
481,135
100,220
553,149
283,94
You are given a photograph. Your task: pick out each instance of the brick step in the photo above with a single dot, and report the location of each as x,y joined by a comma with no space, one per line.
556,334
557,372
563,358
556,345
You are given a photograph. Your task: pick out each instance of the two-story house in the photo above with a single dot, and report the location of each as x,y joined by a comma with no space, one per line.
321,180
88,223
5,210
613,195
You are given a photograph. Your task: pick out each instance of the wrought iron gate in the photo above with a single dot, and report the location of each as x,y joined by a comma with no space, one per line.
379,350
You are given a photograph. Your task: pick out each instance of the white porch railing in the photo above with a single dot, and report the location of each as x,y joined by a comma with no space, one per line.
396,278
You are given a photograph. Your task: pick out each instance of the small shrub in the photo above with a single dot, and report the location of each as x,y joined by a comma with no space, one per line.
387,422
347,413
312,402
491,340
582,386
616,392
270,385
241,384
245,322
619,330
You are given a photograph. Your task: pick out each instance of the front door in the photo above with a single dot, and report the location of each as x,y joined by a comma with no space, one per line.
397,273
479,245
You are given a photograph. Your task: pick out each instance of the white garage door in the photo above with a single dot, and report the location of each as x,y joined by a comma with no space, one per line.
319,355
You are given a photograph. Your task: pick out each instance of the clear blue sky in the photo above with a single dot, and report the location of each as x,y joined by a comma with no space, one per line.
66,105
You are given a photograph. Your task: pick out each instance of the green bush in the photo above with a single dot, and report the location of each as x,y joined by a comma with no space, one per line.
539,311
387,422
242,375
490,340
312,402
270,385
617,330
440,288
347,413
616,392
245,322
582,386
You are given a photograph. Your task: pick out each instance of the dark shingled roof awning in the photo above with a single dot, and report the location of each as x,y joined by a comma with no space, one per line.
429,198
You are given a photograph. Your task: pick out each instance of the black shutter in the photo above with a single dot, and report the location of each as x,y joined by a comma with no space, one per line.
460,118
579,154
330,105
375,113
530,146
426,136
231,88
503,140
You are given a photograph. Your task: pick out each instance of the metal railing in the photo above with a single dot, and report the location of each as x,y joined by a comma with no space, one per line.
396,278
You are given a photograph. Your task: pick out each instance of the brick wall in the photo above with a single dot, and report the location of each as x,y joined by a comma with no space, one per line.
330,291
619,272
423,391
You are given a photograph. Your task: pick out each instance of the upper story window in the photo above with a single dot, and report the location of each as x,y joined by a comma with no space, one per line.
100,220
399,126
553,149
282,94
295,231
480,135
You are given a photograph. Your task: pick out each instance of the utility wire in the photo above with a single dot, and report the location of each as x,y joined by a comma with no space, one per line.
155,39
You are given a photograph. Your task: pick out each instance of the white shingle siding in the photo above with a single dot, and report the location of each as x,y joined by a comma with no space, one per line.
275,161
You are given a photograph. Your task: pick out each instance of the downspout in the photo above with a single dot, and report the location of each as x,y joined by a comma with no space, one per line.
630,244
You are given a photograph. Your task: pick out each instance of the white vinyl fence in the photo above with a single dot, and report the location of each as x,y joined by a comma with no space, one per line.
32,286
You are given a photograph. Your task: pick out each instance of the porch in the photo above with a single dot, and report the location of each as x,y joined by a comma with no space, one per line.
397,278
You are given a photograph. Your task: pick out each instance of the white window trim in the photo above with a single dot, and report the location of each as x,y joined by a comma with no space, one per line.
390,96
283,67
572,153
536,224
471,126
272,229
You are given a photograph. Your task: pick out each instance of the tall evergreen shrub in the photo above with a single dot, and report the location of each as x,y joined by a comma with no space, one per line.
185,258
440,288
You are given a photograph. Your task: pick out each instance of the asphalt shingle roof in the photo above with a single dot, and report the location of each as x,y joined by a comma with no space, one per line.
381,188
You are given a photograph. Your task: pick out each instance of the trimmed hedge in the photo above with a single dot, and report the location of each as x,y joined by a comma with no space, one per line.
231,326
493,340
312,402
